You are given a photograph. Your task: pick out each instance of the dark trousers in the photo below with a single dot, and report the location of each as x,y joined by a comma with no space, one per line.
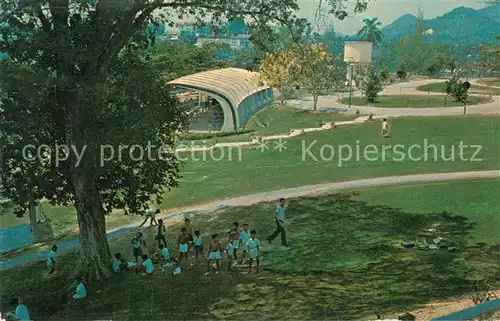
160,239
279,229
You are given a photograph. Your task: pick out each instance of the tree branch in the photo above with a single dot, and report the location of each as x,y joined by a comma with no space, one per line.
59,9
43,19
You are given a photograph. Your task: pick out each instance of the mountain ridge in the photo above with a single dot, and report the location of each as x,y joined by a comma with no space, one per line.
462,25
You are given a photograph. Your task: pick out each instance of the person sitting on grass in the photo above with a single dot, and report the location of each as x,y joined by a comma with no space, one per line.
254,247
214,253
230,252
198,245
183,244
150,215
21,312
51,259
148,265
118,263
81,292
166,257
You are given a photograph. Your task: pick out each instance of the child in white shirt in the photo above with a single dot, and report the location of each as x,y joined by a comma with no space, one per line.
51,259
230,252
148,265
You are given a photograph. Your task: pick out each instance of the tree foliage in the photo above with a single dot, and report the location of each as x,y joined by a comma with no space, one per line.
402,73
490,57
371,31
372,86
384,74
280,70
80,74
319,71
180,59
456,88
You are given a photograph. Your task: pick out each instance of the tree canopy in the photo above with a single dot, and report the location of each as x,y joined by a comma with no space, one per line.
80,75
371,31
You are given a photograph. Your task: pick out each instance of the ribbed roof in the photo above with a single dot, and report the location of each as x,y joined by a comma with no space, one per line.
235,84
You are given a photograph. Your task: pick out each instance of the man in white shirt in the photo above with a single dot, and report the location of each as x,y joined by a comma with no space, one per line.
280,222
385,128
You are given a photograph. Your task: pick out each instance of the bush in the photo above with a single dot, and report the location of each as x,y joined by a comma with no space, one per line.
402,73
457,89
202,136
372,86
384,74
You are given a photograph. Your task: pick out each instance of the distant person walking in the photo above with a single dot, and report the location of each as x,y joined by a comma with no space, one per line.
150,215
280,221
385,128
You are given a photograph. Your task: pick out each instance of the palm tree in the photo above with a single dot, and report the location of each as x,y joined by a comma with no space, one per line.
371,31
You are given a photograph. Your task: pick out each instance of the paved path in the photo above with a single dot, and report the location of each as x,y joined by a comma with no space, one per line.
269,196
330,102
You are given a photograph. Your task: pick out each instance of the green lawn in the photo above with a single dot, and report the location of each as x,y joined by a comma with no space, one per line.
478,201
281,119
401,101
440,87
256,171
345,262
495,83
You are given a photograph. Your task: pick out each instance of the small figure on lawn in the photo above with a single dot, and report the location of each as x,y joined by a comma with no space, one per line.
52,258
385,128
214,253
254,247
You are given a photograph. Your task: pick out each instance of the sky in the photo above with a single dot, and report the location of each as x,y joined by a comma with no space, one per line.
386,11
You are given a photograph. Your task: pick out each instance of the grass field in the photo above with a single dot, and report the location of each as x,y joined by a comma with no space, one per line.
490,81
474,200
257,171
281,119
401,101
345,262
440,87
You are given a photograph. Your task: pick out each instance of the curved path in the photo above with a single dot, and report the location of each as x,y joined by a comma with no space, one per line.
330,102
268,196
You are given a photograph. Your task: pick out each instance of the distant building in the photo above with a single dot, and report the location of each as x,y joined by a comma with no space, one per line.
235,42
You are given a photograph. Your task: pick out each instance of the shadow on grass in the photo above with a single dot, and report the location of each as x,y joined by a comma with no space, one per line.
345,262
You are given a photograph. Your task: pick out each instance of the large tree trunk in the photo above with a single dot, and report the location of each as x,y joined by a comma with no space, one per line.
315,102
94,248
94,258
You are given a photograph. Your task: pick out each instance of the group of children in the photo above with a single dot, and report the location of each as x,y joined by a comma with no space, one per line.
239,239
187,241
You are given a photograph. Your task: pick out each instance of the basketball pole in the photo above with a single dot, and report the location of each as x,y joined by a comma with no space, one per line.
350,86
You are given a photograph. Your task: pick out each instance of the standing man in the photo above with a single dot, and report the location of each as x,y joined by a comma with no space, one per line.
280,221
150,215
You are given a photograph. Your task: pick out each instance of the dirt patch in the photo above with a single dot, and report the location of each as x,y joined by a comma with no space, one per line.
440,308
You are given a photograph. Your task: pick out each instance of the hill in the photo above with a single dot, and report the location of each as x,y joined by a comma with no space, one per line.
461,26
